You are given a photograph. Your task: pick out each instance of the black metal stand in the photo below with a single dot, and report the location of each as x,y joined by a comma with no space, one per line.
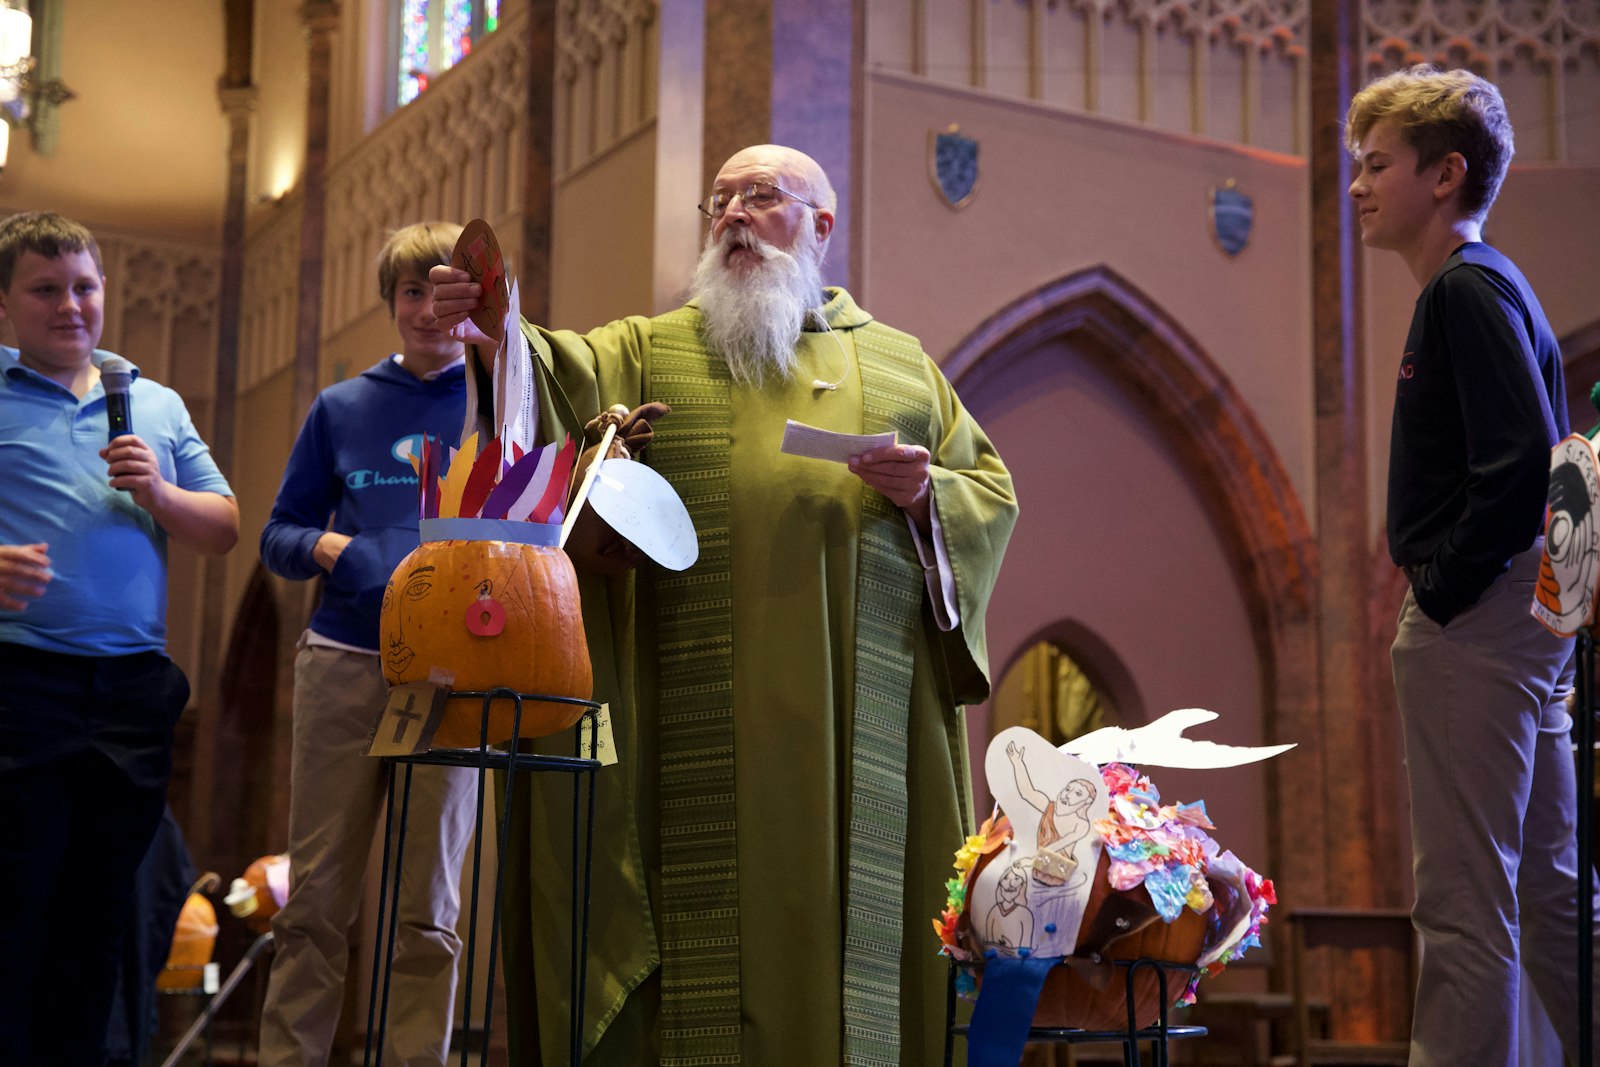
511,762
1583,713
1158,1035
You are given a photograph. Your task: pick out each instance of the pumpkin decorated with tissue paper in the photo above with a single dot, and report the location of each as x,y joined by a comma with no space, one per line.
476,614
1086,867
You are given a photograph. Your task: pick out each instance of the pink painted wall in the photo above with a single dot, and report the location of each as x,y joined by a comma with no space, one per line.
1113,535
1060,192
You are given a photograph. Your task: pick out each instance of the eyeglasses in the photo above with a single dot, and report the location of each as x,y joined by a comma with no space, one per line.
757,196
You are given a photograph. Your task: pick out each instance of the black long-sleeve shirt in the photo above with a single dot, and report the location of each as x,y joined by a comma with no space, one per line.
1480,403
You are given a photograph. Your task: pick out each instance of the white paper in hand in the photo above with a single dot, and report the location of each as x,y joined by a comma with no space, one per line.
802,440
640,505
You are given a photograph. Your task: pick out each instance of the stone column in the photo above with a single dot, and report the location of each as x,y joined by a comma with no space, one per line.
1361,819
237,98
789,72
321,18
1344,528
538,200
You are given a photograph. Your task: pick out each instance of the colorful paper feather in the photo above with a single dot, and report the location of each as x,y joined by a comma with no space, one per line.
532,487
556,491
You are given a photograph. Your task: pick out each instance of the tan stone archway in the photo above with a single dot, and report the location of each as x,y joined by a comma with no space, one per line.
1213,434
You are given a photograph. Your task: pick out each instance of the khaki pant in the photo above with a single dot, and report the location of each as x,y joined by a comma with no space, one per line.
1483,709
336,808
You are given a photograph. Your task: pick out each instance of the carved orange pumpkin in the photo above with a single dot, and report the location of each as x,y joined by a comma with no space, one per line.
192,943
480,614
1071,1001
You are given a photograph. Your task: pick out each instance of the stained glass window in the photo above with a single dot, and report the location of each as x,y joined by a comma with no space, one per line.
435,35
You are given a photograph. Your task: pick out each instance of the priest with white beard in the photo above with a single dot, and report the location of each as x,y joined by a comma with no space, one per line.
793,774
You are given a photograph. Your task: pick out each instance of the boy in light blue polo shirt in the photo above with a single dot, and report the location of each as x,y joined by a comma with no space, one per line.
89,698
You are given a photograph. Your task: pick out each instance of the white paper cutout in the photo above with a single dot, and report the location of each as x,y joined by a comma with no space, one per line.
1161,744
643,507
1033,893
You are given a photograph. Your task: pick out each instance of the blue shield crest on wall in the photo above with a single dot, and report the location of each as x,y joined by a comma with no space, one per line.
953,165
1232,214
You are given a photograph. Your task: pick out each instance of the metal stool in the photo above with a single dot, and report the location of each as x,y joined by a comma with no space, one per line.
1158,1035
510,762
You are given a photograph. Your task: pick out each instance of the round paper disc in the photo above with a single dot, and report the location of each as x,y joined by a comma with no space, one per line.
478,253
640,505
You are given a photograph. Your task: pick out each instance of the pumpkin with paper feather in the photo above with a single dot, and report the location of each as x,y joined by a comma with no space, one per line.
480,614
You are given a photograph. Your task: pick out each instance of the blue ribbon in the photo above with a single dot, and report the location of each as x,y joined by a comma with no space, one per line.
1007,1001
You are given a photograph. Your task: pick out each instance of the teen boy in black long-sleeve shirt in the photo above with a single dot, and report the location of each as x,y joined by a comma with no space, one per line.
1481,685
1479,402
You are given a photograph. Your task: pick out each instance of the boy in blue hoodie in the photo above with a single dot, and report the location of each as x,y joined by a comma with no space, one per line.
347,512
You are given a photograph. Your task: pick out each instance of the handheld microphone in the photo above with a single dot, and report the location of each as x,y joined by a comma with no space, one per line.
116,376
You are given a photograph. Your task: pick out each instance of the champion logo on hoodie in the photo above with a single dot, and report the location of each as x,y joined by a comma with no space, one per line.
402,451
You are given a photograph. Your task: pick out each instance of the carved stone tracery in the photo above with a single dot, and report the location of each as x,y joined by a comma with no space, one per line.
1545,54
1484,33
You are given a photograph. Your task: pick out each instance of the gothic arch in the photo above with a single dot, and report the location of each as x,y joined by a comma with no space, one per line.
1212,433
246,809
1095,657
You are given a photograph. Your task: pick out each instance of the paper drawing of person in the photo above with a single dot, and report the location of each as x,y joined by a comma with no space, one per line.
1063,823
1009,924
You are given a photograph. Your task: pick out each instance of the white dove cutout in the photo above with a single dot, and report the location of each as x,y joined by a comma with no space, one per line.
1161,744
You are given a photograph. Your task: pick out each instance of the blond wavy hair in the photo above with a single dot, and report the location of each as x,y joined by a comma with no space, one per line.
414,248
1439,112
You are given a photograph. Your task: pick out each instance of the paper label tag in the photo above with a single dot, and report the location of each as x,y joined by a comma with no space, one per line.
605,749
409,719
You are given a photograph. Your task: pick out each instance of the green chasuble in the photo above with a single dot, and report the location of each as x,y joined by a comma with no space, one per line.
770,695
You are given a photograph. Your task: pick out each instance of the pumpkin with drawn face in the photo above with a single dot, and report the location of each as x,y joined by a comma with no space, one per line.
476,615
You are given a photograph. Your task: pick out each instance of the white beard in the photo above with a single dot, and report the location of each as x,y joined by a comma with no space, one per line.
753,317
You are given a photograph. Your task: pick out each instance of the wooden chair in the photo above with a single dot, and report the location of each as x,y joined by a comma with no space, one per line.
1374,929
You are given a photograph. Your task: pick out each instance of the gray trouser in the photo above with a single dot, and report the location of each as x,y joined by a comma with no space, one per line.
336,806
1483,709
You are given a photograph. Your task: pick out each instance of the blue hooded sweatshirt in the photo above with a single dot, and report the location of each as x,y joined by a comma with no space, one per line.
350,463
